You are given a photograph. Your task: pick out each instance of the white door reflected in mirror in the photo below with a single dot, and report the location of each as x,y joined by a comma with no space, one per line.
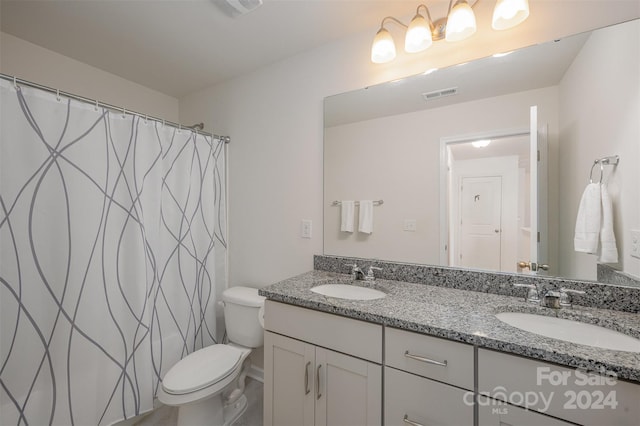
494,184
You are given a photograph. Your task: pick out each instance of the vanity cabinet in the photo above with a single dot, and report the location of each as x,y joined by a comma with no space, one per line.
320,369
428,380
565,393
325,369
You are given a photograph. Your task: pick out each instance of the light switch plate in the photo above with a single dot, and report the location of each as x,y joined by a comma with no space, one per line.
635,243
410,225
305,229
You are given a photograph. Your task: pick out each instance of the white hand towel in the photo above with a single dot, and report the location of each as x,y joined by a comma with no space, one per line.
608,249
365,223
347,215
589,220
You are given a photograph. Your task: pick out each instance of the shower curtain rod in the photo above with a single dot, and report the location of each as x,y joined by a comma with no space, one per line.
16,81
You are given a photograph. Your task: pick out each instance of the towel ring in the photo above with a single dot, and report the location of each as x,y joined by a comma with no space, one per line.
606,161
601,171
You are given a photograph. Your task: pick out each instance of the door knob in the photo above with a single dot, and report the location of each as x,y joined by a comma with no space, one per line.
533,266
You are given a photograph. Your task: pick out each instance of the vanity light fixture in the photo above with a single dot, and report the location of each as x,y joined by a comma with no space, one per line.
459,24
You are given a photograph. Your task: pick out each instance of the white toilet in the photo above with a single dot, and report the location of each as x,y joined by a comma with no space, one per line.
207,386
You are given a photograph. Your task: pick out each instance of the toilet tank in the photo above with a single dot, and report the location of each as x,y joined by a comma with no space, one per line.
243,308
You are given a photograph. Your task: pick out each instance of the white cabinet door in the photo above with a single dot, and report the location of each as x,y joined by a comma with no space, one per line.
309,385
288,381
494,413
412,399
348,390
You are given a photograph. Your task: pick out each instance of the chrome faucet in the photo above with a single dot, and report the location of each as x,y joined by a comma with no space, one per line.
370,276
553,298
358,274
565,299
533,295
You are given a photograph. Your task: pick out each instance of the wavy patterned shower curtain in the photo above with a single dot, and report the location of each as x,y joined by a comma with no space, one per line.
110,226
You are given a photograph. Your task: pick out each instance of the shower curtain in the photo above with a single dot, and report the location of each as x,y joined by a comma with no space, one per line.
111,240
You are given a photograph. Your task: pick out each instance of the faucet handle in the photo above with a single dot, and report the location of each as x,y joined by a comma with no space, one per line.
370,276
565,299
532,294
353,266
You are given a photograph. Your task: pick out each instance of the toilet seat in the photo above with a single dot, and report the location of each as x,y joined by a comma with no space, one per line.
202,369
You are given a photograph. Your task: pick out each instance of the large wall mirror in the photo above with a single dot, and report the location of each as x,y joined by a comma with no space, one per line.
416,145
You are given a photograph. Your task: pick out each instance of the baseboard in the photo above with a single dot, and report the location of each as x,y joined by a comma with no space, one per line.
256,373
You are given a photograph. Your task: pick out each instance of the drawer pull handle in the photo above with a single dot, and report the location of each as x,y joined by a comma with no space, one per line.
410,422
318,382
306,378
427,360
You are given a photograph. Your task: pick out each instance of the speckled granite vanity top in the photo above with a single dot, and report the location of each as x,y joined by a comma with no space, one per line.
469,317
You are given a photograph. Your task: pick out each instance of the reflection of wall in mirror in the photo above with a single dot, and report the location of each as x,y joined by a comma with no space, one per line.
593,112
397,159
603,82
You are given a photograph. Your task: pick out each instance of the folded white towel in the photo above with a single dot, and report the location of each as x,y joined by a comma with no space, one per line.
608,249
347,215
589,220
365,223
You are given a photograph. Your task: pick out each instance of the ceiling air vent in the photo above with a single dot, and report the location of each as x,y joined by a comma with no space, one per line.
430,96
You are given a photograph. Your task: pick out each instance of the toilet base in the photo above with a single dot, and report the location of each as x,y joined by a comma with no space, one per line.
235,410
211,412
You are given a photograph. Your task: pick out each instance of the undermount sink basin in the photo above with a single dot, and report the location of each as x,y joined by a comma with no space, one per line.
571,331
346,291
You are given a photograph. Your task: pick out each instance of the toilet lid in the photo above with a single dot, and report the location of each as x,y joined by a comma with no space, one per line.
201,369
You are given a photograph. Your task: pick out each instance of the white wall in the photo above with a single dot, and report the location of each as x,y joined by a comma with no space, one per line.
274,117
39,65
397,159
602,72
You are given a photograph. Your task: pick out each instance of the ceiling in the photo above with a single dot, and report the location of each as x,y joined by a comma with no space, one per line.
181,46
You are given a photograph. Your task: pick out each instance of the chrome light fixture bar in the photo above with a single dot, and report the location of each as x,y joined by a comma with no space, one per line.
459,24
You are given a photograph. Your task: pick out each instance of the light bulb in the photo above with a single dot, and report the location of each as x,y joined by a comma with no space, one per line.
481,143
418,37
461,22
383,48
509,13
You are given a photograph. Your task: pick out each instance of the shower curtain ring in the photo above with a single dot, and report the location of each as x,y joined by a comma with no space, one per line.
124,112
96,107
58,95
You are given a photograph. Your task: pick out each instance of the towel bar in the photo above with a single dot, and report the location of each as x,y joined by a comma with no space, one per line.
375,203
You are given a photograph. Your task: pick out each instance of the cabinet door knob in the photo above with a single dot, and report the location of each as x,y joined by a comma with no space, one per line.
306,378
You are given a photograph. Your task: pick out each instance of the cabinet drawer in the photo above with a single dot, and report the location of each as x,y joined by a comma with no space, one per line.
358,338
496,413
424,401
561,392
412,352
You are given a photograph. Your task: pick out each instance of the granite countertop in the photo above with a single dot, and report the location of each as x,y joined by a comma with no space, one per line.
469,317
